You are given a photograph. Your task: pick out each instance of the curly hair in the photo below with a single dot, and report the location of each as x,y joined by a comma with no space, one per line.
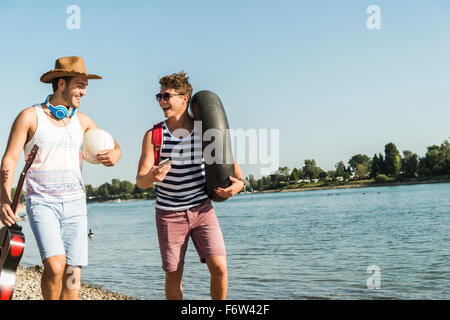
178,81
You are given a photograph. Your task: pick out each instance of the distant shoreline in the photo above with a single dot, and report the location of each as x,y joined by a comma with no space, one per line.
332,187
348,186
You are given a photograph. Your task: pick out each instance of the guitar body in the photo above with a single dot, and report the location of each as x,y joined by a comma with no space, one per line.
11,250
12,240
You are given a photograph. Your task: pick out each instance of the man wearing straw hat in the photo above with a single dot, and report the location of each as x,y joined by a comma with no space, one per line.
55,197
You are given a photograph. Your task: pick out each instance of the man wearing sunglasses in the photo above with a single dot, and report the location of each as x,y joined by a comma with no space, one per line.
183,209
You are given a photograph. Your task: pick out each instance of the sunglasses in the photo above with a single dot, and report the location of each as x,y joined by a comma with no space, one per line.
166,96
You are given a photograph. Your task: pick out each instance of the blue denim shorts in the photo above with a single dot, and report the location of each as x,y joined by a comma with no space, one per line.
60,229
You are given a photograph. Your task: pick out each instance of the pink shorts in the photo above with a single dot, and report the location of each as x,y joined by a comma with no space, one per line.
175,227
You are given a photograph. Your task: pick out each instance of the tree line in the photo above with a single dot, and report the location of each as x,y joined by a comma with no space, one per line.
118,189
392,166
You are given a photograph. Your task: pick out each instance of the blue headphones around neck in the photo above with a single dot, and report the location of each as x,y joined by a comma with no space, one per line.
60,112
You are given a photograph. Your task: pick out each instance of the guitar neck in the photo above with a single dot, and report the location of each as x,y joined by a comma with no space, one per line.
28,163
18,192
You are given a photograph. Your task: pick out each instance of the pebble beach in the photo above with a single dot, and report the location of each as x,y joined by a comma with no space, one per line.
28,287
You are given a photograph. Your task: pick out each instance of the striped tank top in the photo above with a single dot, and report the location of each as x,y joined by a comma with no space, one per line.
184,185
55,175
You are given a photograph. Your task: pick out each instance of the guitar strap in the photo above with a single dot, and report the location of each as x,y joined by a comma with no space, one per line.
157,141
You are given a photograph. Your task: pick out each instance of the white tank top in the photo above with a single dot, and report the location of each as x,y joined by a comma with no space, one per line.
55,174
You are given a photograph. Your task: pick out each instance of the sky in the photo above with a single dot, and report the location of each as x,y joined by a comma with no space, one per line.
313,70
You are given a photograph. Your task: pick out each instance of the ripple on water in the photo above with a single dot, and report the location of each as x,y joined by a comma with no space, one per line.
298,245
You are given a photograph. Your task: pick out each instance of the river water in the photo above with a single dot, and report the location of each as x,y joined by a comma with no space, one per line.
365,243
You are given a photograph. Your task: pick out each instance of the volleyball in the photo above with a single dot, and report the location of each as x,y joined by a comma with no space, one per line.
94,141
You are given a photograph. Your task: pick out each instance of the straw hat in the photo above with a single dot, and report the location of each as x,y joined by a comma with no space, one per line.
67,67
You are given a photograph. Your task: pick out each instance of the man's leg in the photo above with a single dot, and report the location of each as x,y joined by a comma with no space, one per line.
74,234
51,281
219,277
174,290
208,241
44,221
173,238
71,283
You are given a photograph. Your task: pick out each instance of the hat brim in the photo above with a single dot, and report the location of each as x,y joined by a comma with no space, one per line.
52,74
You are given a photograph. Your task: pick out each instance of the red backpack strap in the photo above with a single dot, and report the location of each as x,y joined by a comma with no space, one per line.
157,141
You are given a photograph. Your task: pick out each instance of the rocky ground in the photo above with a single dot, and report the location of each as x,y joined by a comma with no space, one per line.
28,287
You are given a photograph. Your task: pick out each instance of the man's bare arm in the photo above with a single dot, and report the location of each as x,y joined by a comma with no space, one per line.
238,171
16,142
148,173
236,184
145,180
